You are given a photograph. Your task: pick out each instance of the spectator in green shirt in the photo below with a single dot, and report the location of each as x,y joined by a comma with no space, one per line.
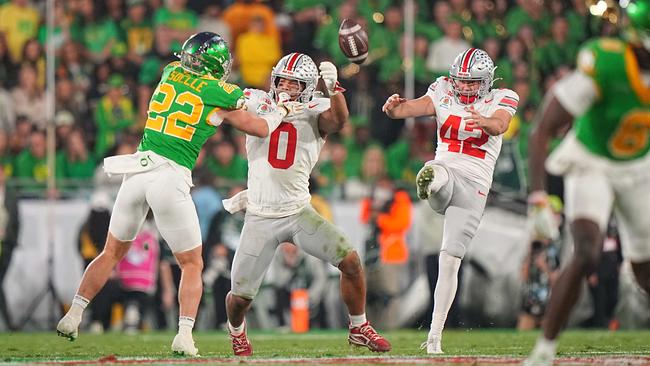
528,12
515,52
114,113
31,163
480,24
387,36
137,31
391,68
173,23
62,25
559,50
98,34
337,170
225,164
75,162
357,144
403,160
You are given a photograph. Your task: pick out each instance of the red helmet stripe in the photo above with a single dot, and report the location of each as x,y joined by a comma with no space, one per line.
466,59
292,61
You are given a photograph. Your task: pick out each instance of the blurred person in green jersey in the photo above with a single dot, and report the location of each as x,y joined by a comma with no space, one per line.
190,102
604,160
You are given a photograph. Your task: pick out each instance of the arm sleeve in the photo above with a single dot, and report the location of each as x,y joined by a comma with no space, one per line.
507,100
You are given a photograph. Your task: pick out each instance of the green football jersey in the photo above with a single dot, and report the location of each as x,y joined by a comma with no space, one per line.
182,113
617,125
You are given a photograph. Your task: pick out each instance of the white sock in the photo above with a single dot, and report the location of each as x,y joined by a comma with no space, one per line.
440,178
445,292
358,320
78,306
237,330
185,325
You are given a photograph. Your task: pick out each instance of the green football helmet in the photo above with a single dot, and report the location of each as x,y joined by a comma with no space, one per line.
206,53
638,12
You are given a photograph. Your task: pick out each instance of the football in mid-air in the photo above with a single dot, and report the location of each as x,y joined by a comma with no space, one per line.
353,41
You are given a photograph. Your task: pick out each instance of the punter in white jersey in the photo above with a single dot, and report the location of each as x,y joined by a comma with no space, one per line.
277,201
471,117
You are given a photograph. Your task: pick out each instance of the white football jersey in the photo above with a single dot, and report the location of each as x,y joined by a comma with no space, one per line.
279,165
472,152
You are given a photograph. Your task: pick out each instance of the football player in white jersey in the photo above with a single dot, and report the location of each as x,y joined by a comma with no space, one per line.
471,117
277,199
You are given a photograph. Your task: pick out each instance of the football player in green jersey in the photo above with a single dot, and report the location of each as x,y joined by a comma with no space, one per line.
190,102
604,160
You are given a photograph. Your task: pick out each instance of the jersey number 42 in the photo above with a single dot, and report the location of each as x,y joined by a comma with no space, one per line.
470,145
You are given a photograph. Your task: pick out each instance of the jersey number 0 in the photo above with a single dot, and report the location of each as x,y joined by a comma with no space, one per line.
289,150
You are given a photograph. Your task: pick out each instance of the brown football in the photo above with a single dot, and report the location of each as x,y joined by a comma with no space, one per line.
353,41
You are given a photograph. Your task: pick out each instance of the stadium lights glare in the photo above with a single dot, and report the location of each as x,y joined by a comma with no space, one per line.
599,8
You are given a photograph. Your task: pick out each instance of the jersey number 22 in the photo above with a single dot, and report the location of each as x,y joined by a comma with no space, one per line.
157,120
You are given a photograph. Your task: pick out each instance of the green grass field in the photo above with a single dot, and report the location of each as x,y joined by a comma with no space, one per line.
479,347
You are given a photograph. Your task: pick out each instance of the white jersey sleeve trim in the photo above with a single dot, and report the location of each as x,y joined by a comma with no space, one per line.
576,92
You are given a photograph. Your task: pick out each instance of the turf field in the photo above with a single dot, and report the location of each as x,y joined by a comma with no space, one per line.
462,347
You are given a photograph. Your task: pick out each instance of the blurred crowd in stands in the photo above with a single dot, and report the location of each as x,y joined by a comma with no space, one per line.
109,56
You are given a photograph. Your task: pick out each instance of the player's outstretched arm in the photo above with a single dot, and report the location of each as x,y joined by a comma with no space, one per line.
333,119
259,126
552,118
397,107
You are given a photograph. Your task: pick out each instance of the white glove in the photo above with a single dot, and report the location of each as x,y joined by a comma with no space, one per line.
258,101
288,107
392,102
542,222
329,74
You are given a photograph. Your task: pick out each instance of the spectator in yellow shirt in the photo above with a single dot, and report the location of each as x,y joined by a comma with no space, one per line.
19,23
257,52
240,14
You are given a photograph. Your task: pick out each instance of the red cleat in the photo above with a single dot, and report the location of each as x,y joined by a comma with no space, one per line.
240,344
365,335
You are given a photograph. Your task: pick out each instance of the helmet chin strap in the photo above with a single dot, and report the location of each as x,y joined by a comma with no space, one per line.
467,99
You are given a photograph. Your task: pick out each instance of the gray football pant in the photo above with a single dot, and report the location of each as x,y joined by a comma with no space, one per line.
261,236
462,202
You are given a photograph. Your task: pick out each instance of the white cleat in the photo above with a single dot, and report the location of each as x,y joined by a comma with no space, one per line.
539,359
423,182
433,346
543,353
68,327
183,345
